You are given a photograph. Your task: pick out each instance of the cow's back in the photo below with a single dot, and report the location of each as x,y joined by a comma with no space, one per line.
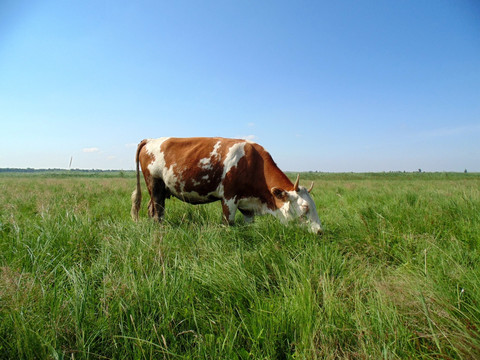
193,168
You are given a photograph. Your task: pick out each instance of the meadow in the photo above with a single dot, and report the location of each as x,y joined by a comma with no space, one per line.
395,276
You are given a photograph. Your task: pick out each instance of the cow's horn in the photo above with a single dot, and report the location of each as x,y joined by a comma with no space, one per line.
311,187
295,186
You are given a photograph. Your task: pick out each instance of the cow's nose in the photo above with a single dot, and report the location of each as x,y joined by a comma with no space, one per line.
316,229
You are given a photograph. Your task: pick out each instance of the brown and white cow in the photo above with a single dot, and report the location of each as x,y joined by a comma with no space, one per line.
239,173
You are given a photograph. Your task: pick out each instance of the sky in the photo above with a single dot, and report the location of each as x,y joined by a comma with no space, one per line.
331,86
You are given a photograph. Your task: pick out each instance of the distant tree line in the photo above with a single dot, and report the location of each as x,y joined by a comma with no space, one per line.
31,170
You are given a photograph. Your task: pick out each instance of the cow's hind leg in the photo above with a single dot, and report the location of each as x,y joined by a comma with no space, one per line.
149,182
157,202
151,211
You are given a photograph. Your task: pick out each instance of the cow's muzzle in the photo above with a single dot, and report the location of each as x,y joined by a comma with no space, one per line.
316,229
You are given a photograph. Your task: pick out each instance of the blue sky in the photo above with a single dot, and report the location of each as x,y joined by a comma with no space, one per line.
322,85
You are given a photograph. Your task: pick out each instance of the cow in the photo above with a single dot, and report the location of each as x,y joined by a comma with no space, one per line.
239,173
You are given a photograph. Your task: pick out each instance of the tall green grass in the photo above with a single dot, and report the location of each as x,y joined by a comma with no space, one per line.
396,274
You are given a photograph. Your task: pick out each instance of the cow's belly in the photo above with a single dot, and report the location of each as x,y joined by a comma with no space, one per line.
193,189
193,197
253,204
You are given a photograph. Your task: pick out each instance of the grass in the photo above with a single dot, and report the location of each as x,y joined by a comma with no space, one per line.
396,275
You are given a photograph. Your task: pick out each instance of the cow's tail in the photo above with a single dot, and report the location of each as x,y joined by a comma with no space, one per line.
137,193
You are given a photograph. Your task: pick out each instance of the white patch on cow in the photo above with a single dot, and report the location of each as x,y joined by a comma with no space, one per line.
235,153
153,148
158,167
283,213
215,149
232,208
206,163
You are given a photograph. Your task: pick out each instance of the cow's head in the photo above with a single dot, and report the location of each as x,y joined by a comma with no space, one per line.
298,203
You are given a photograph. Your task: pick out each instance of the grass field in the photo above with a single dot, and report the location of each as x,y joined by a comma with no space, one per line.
396,275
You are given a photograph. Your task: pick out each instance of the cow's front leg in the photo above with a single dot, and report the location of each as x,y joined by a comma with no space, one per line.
229,208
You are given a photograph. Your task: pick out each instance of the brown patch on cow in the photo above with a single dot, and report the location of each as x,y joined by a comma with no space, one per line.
255,175
146,159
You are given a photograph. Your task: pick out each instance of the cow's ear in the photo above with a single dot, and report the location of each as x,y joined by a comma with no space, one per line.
280,194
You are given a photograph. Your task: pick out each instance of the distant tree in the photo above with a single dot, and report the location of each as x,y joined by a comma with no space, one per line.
465,171
419,170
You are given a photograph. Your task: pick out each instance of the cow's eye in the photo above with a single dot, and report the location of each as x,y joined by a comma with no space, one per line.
305,208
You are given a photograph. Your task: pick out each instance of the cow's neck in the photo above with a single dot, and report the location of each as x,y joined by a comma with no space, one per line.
276,178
